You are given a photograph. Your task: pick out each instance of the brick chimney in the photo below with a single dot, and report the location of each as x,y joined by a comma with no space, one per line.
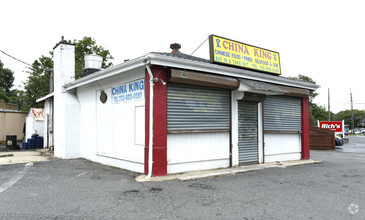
175,48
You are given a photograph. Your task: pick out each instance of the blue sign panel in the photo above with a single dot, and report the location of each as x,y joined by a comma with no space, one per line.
132,91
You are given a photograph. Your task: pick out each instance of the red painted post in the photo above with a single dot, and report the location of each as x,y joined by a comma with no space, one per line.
305,129
147,119
159,167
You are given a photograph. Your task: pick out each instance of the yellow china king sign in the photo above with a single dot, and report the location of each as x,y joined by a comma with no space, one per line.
234,53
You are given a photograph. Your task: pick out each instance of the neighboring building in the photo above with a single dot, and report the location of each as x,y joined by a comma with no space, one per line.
34,123
166,113
11,121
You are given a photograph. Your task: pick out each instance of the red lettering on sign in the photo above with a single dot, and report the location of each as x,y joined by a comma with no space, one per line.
246,51
256,54
225,44
335,126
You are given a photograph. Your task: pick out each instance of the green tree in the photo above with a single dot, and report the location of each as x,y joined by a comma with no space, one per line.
316,112
20,98
87,45
37,84
6,82
312,94
346,115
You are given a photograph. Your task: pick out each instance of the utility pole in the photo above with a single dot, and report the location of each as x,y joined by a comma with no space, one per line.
352,113
329,106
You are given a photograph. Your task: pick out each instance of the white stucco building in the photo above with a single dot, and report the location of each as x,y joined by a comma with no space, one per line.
166,113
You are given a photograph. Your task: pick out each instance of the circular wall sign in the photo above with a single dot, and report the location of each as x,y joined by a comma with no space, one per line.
103,96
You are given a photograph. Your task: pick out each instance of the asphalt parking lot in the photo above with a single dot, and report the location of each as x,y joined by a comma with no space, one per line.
356,145
80,189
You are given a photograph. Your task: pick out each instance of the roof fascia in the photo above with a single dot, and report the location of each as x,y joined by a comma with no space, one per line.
45,97
162,60
227,71
114,70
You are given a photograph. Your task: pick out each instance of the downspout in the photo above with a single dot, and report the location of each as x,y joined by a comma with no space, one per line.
150,142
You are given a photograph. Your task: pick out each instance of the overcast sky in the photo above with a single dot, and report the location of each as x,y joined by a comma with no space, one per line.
322,39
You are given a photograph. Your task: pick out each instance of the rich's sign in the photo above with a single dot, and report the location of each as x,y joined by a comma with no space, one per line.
234,53
335,126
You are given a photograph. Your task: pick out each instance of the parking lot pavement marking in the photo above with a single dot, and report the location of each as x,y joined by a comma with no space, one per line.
16,178
81,174
29,165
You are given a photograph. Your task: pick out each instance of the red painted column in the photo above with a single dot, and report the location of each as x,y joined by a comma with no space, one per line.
305,129
147,120
159,153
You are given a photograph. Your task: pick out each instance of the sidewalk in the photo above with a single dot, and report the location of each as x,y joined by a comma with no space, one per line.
227,171
25,156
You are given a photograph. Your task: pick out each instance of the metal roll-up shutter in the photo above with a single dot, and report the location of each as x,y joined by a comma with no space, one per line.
282,113
247,132
197,108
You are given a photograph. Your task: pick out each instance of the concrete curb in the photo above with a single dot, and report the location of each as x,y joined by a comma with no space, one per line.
224,172
25,156
6,155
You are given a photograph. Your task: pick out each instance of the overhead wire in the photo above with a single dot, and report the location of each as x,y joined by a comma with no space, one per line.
199,46
15,58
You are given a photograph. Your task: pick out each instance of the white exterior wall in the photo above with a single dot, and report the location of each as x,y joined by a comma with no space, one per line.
282,147
66,104
45,124
33,127
197,151
28,127
235,95
112,134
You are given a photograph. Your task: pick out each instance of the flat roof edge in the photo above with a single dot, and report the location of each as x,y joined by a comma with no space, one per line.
114,70
45,97
228,71
162,60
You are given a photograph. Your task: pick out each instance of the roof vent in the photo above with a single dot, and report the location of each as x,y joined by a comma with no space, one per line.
175,48
92,64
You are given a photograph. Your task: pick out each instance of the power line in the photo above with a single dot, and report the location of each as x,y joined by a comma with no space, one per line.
352,113
199,46
348,102
15,58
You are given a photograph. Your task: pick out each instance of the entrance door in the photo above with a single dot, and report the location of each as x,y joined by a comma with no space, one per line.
247,132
